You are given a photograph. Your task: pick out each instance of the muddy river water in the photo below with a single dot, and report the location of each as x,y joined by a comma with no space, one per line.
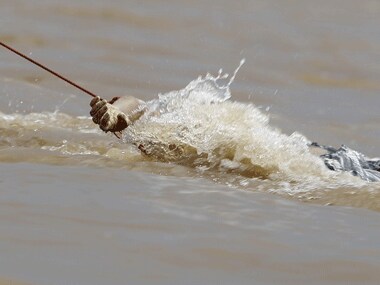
240,199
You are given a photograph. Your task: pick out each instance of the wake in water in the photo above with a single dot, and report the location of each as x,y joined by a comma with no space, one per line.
198,127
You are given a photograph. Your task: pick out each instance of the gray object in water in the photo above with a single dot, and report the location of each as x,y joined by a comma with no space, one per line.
346,159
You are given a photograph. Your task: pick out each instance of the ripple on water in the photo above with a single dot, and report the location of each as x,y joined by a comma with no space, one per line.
202,130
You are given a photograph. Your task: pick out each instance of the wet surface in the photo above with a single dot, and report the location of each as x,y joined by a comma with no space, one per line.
81,207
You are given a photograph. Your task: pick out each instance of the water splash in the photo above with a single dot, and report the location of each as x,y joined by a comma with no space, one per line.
203,90
200,127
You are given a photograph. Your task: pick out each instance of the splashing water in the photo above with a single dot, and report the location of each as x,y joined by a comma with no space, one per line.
199,126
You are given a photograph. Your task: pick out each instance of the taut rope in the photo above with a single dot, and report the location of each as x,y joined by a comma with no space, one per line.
49,70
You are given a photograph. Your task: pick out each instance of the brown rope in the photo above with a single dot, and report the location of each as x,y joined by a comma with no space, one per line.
48,70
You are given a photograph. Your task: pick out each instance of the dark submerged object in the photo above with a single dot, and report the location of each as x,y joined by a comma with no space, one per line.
349,160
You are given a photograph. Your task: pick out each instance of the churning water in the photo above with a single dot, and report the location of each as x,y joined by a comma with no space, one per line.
227,189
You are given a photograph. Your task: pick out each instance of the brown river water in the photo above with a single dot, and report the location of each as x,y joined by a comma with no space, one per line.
229,193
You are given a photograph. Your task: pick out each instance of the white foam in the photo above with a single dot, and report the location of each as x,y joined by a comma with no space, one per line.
198,126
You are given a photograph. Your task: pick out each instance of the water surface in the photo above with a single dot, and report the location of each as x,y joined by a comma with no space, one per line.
243,200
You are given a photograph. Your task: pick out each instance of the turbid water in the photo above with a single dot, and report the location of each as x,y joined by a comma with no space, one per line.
229,192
